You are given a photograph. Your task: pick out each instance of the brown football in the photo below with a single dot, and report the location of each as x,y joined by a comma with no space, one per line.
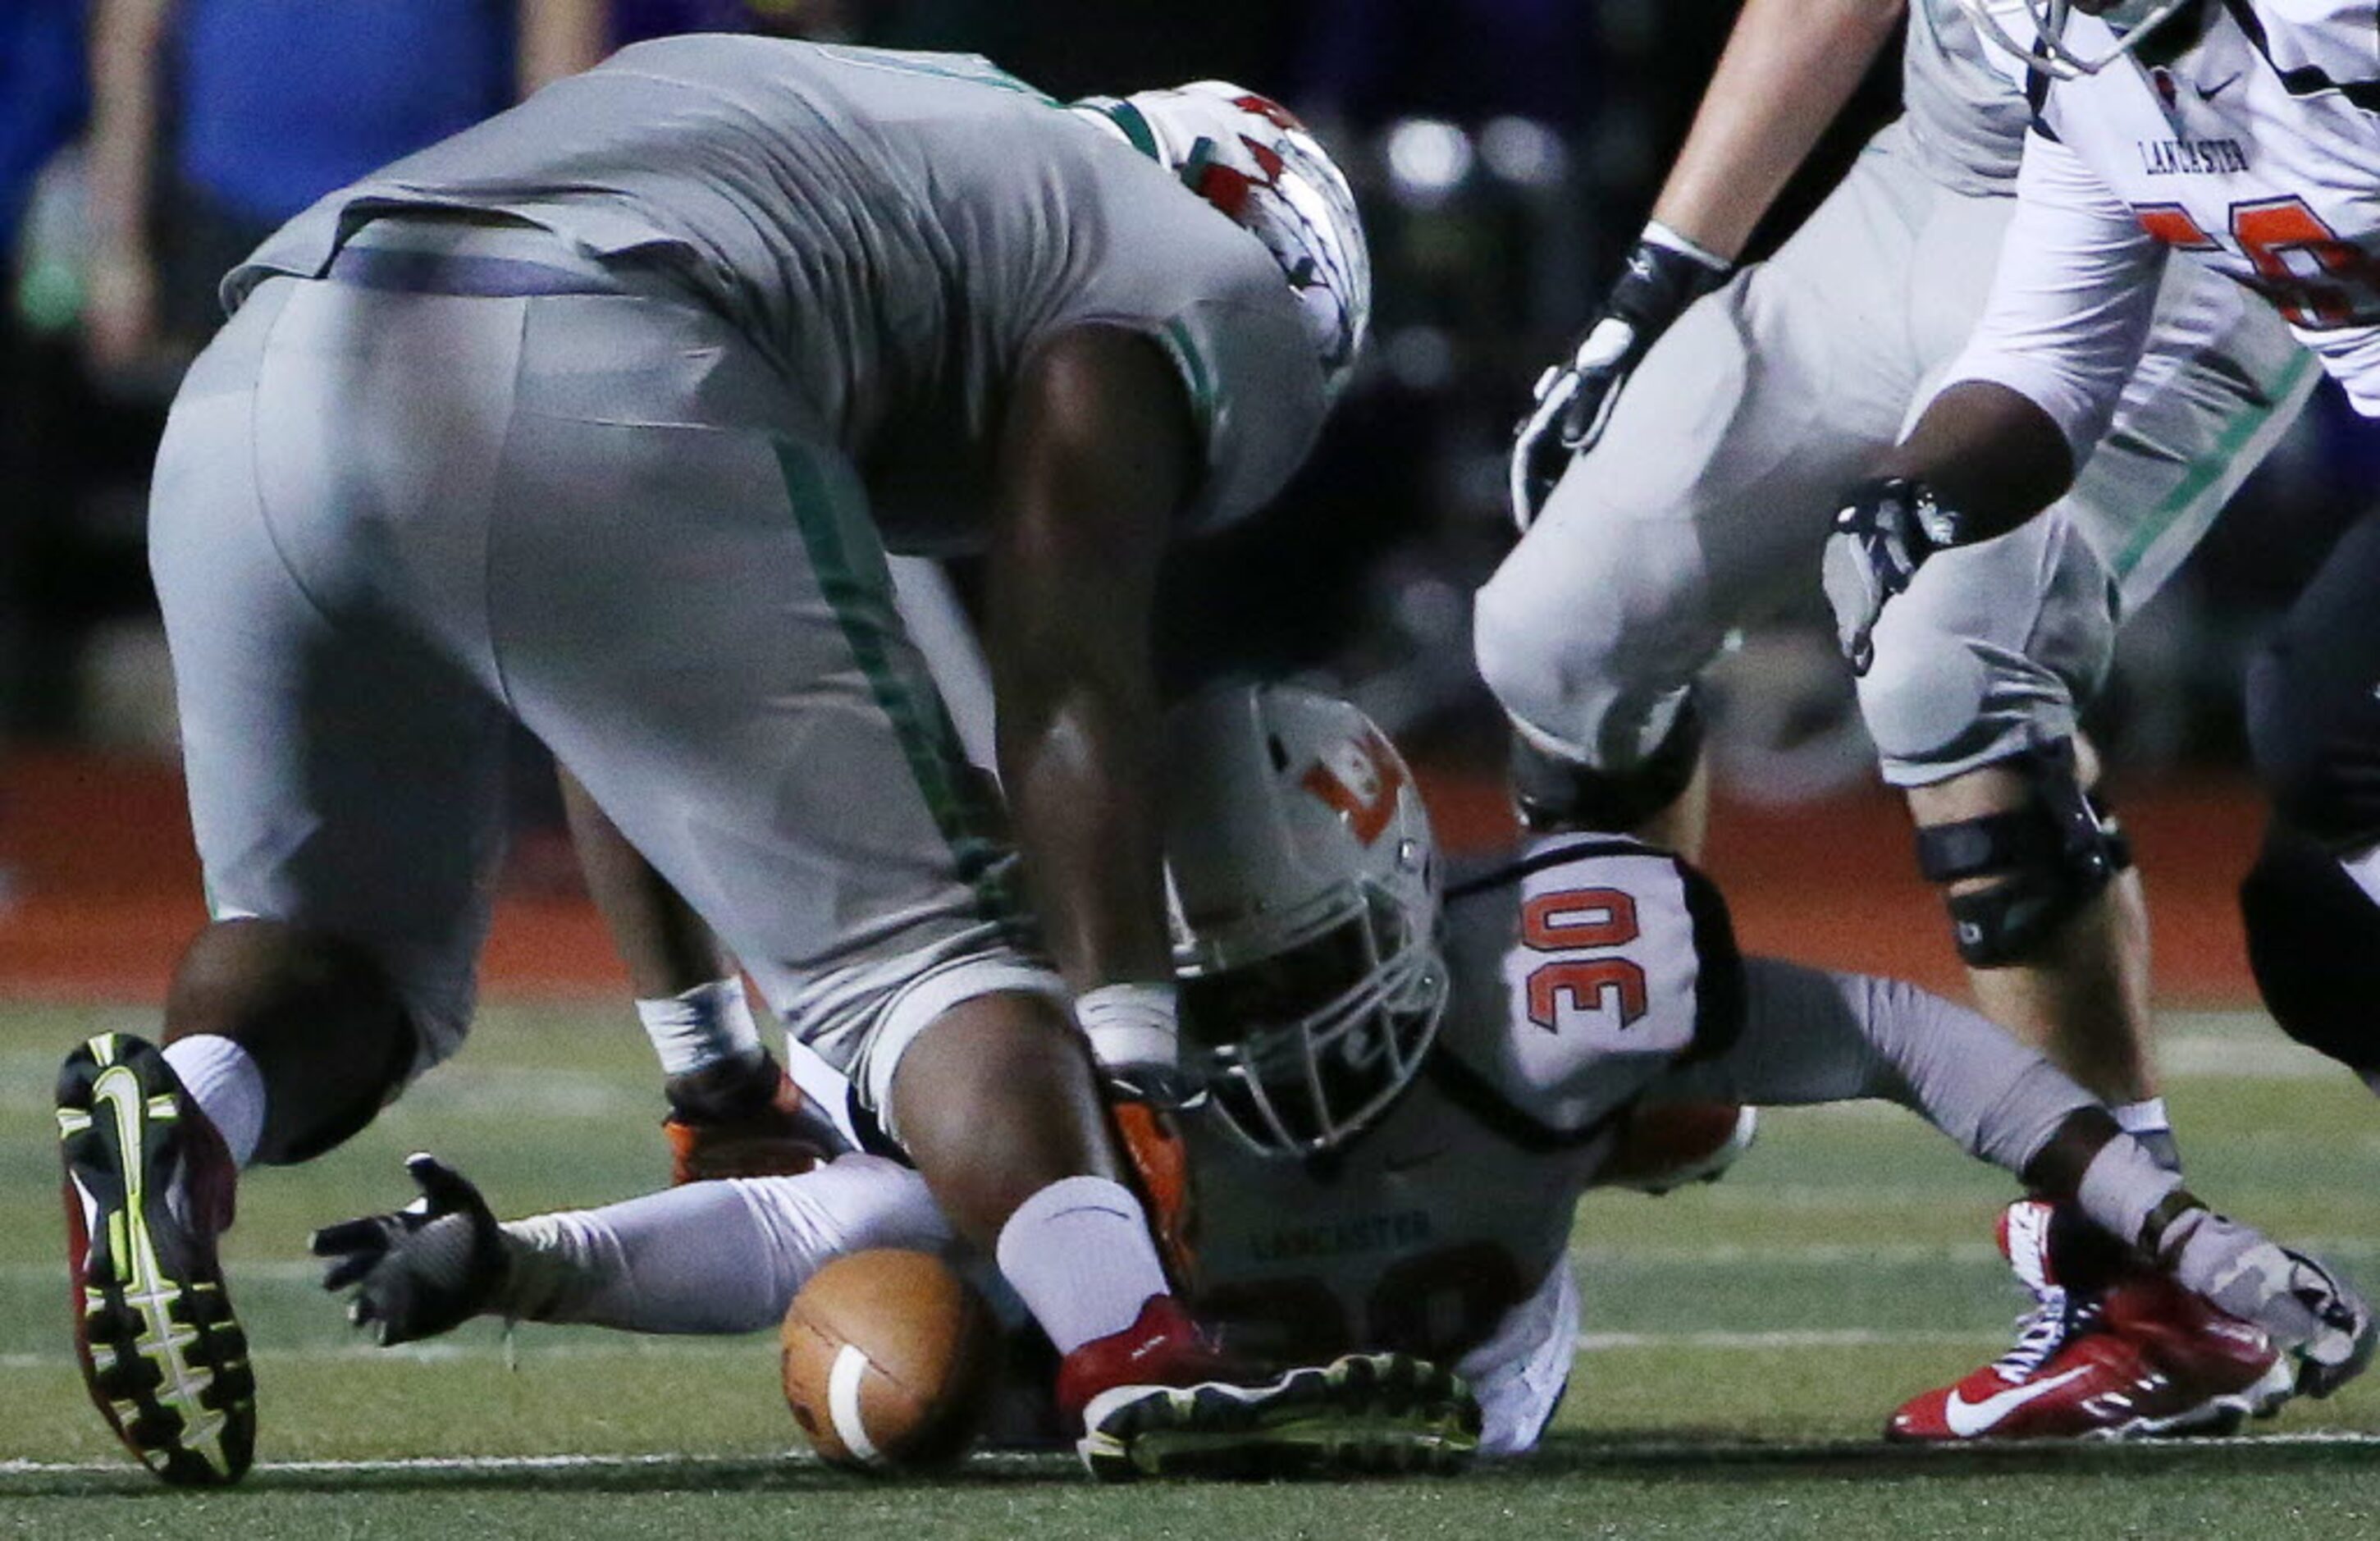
888,1359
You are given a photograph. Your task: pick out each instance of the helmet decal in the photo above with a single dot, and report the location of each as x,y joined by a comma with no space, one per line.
1363,784
1259,167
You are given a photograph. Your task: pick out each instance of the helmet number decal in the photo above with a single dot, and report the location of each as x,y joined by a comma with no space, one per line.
1570,990
1360,780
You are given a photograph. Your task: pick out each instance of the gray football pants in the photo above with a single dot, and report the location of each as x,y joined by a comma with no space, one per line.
383,523
1707,501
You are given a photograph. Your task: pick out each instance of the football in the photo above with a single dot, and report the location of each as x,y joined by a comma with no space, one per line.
888,1358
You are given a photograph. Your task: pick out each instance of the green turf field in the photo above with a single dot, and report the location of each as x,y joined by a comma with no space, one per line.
1744,1343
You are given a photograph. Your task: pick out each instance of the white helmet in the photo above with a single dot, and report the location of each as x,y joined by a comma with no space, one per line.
1303,881
2045,49
1250,157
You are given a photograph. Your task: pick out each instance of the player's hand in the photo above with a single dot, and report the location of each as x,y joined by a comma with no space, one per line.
1573,399
1884,532
2303,1306
423,1269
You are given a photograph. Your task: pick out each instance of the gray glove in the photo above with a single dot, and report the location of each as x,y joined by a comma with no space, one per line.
1884,532
421,1271
2302,1305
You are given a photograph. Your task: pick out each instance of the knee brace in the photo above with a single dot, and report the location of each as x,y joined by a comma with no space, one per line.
1556,794
2313,944
2052,856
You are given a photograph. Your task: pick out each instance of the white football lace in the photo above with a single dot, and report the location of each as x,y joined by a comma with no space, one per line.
2039,1333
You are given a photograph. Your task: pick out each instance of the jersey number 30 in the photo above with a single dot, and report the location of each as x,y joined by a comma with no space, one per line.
1567,923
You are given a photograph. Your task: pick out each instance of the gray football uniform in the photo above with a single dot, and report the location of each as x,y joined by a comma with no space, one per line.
1707,501
602,416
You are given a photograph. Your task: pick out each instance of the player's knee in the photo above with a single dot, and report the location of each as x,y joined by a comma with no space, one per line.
320,1016
2313,944
1925,707
1554,793
1522,657
2317,750
2034,866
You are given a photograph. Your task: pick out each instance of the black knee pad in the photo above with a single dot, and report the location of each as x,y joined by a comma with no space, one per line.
1556,795
2053,856
2313,943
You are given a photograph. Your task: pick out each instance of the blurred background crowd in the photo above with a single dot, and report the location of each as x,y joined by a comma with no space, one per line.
1506,151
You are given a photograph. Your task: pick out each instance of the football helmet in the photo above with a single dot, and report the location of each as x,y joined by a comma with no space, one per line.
2045,49
1252,159
1303,888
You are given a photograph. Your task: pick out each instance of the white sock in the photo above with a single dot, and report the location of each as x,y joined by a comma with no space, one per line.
1080,1254
2145,1121
701,1027
224,1081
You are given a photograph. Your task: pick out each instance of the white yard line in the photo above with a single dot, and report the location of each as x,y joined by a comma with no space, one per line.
1619,1455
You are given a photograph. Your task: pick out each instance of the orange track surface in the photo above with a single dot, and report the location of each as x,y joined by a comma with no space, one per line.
106,888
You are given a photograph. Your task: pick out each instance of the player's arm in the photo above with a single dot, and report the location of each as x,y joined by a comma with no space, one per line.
2073,299
120,311
1810,1035
559,38
1097,454
1788,67
706,1258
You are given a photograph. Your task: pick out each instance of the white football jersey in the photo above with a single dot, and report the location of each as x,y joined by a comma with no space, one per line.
1444,1230
2256,153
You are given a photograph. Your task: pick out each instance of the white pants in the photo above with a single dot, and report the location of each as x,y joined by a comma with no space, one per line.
383,523
1706,504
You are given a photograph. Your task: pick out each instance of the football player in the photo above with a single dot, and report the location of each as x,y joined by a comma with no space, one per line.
601,418
1396,1134
2242,137
1676,480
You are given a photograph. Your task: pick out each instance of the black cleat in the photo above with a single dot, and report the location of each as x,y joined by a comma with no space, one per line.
148,1187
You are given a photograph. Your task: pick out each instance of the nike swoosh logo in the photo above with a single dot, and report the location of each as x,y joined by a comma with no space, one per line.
1396,1164
1968,1419
2208,93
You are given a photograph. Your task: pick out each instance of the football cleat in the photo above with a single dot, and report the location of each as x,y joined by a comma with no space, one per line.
1159,1399
2141,1357
148,1189
744,1120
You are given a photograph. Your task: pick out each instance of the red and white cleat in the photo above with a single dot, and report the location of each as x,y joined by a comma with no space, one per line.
1159,1398
2143,1356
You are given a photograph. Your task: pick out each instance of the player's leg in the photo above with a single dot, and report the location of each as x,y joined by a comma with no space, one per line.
2052,928
1701,509
343,776
733,1110
722,1257
1970,703
2312,903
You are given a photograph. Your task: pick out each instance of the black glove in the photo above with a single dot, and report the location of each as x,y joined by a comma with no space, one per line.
1574,398
423,1269
1884,532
